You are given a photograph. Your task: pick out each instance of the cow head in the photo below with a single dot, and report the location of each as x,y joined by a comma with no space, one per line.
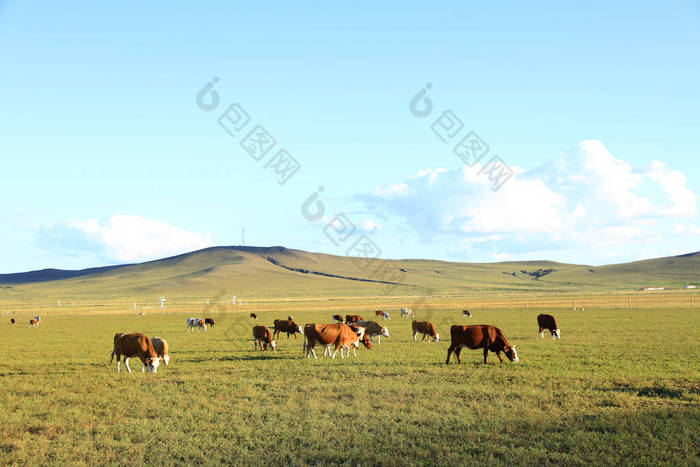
385,332
436,338
556,334
511,353
153,364
366,342
272,344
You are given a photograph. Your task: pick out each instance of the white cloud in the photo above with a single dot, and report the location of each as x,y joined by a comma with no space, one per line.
690,229
126,238
587,198
371,226
391,191
672,182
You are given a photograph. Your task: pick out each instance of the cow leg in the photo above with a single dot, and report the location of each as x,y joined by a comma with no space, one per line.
458,353
498,354
541,333
379,339
119,363
415,333
423,338
449,352
486,352
354,351
126,364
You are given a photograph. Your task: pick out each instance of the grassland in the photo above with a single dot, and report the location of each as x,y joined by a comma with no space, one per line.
620,387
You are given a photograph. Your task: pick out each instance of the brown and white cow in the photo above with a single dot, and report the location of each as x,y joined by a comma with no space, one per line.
550,323
467,313
253,316
135,345
33,323
340,335
263,338
288,326
382,314
209,322
337,319
195,323
373,328
352,318
481,336
407,312
160,345
426,328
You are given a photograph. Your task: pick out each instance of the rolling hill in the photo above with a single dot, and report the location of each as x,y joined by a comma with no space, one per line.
278,272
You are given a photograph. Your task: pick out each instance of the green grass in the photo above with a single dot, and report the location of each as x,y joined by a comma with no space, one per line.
620,387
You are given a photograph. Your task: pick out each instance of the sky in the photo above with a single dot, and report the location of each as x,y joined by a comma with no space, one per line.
461,131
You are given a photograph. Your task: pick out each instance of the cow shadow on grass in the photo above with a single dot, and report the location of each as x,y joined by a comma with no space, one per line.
258,357
656,391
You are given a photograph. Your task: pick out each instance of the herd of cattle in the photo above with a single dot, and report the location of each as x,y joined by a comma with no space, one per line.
342,334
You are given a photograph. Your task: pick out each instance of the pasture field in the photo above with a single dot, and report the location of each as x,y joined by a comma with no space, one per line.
621,386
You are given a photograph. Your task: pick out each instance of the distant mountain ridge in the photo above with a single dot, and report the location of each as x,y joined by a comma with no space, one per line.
282,272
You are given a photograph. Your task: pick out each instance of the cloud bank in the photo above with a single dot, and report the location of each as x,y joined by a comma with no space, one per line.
123,238
586,198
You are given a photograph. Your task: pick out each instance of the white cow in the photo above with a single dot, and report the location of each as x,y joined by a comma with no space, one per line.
406,311
196,323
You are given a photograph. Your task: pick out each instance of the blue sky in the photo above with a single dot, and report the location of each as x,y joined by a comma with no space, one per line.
107,157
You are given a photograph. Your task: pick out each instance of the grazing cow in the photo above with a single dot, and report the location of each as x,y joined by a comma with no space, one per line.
381,313
352,318
262,338
426,328
196,323
467,313
550,323
406,311
337,319
33,322
253,316
481,336
160,345
289,326
12,321
373,328
135,345
340,335
209,322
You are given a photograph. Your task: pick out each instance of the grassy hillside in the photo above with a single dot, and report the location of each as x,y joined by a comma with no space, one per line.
278,272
